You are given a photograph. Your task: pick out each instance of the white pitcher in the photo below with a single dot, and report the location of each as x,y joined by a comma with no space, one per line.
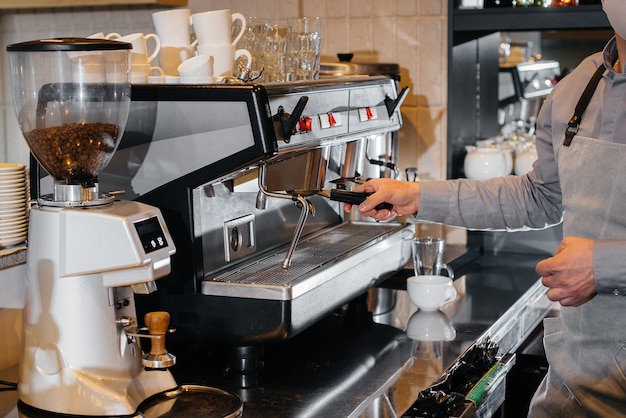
486,162
524,159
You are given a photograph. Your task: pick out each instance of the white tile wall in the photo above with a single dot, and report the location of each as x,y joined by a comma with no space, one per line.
409,32
412,33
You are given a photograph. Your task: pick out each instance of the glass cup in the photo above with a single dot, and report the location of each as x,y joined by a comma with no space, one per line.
427,257
253,40
275,54
304,48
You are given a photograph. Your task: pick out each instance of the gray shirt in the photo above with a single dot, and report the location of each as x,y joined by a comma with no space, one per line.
534,200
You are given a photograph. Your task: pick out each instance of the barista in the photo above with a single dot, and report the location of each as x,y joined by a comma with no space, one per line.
579,180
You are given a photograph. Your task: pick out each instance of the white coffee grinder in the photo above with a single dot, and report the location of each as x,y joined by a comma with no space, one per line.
88,253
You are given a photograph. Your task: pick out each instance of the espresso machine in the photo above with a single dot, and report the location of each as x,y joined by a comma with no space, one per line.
89,253
241,173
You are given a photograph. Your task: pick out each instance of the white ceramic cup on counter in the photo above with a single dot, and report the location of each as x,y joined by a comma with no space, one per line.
173,27
197,70
215,27
171,57
224,58
139,73
174,30
141,54
429,293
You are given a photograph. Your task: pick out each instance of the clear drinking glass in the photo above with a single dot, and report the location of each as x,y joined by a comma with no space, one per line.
428,256
304,48
253,40
275,56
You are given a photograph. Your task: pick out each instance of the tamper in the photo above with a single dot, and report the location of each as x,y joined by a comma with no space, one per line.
157,324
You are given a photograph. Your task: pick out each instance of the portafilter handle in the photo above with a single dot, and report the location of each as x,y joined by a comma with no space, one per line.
157,324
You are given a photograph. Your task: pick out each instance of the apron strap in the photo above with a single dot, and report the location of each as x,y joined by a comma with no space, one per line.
581,106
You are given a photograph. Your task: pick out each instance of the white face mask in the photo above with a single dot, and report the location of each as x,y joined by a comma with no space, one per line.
616,12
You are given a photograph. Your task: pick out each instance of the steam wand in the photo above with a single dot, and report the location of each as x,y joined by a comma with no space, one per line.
305,208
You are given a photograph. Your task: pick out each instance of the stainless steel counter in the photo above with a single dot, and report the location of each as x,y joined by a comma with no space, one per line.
373,357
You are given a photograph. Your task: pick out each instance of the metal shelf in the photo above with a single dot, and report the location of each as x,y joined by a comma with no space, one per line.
478,22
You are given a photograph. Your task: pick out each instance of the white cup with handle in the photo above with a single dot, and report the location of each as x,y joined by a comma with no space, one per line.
139,43
173,26
174,30
139,73
215,27
429,293
170,57
196,70
224,57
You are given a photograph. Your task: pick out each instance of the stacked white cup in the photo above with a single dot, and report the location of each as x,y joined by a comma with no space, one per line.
214,34
197,70
174,30
142,57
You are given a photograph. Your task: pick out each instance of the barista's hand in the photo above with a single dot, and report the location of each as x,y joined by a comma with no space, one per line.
403,195
569,274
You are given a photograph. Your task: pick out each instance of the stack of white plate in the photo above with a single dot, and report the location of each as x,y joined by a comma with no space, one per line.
14,204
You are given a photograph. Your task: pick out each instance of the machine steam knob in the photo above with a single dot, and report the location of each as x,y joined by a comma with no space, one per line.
158,357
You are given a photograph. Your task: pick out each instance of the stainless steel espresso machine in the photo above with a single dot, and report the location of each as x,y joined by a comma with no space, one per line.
241,174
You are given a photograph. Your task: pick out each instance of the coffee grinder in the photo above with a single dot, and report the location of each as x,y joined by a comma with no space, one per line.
88,252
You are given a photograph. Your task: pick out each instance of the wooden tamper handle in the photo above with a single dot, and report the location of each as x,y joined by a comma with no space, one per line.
157,324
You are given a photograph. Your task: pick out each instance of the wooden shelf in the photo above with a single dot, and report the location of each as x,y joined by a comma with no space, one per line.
37,4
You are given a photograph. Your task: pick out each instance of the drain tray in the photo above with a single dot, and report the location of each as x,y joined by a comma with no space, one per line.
360,253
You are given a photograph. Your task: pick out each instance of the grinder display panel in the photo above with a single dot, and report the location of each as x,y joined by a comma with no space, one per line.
151,234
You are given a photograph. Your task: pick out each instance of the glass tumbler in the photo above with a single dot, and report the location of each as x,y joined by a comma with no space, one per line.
428,256
275,54
304,48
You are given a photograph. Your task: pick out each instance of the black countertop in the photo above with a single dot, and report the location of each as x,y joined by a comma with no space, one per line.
361,359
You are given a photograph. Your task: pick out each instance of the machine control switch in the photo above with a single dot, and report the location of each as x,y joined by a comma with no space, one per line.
305,124
368,113
330,120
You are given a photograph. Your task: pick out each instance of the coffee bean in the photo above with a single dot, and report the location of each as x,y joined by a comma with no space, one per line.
75,151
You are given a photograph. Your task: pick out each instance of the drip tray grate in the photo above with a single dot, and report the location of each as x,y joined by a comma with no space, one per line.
312,255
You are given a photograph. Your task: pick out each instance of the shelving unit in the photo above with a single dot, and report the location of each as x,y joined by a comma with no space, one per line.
529,19
473,64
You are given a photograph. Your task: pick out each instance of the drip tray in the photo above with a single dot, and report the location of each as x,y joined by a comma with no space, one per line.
193,401
356,255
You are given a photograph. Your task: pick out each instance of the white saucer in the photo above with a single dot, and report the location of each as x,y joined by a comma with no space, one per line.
10,242
10,167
